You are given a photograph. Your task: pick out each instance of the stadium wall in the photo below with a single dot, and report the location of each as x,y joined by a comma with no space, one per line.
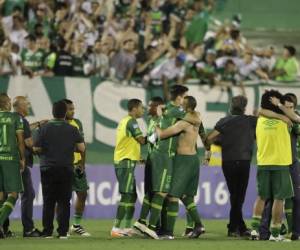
100,104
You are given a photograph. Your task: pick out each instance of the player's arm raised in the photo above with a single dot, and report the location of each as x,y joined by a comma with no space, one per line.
290,113
270,114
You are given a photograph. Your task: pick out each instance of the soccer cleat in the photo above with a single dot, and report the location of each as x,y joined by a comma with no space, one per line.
129,231
187,232
62,237
166,237
34,233
151,233
77,229
254,235
197,231
295,237
117,233
279,238
141,227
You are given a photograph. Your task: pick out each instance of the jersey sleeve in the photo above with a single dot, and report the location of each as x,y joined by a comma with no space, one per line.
133,128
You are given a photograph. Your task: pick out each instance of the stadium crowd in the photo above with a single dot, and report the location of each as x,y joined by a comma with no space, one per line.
152,42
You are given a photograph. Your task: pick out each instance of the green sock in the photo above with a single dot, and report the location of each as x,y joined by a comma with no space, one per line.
121,211
255,222
275,229
156,207
77,218
189,220
288,209
145,208
7,208
172,214
130,210
191,207
164,216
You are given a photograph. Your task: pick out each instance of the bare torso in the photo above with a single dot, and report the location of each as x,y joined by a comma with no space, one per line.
188,138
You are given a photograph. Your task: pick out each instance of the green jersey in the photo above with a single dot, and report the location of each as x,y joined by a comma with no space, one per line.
152,123
169,118
33,60
9,5
10,123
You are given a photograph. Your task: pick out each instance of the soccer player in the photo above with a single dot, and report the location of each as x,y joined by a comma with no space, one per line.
236,159
141,223
127,153
12,158
273,159
80,184
185,177
162,162
291,206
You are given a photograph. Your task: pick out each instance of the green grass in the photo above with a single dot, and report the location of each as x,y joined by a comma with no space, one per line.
215,239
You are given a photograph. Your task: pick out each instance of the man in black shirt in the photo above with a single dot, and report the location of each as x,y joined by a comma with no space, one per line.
21,106
56,143
237,132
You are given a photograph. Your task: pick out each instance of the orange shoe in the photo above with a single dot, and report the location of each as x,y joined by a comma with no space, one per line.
117,233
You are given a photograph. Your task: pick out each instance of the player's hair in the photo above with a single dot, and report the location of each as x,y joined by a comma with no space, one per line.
3,100
238,105
177,90
191,102
67,101
157,99
133,103
59,109
17,100
266,103
293,98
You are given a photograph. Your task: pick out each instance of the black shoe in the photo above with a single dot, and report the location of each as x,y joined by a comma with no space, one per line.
187,232
295,237
34,233
46,235
2,235
245,233
197,231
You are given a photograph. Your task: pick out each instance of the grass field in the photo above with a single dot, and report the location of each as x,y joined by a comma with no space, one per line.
215,239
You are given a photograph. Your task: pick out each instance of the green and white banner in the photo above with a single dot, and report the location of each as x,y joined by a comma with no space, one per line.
100,104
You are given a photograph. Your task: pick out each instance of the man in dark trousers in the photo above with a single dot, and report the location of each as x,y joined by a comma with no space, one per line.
56,143
237,132
21,106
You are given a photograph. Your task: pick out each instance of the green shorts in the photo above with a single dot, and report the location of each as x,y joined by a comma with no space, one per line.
274,184
125,175
185,177
161,174
10,177
80,183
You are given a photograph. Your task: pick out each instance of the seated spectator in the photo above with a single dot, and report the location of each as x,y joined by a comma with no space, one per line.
287,67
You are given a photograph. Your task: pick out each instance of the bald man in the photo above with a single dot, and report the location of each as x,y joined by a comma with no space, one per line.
21,106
